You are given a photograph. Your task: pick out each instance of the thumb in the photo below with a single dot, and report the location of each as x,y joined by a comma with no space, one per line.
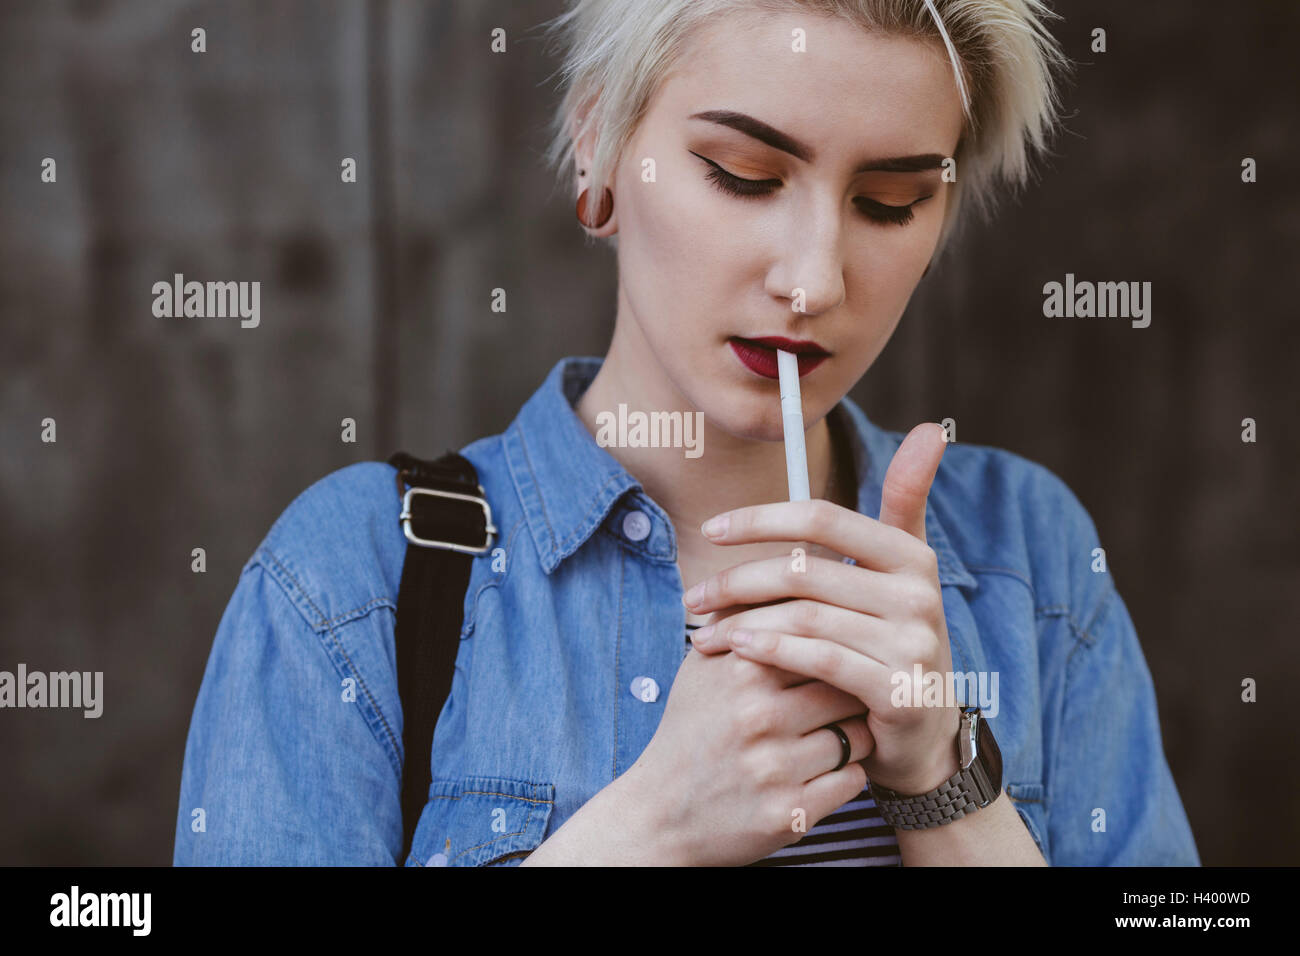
908,479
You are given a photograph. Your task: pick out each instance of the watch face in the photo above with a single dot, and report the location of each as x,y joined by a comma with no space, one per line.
986,748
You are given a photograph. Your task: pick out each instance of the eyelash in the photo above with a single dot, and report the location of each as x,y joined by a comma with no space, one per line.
754,188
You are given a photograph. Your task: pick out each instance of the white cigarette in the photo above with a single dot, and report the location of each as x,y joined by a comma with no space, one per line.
796,456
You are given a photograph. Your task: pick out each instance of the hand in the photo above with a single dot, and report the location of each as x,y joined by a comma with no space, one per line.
855,628
740,756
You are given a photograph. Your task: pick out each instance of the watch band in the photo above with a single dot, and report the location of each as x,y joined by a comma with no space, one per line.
975,785
951,800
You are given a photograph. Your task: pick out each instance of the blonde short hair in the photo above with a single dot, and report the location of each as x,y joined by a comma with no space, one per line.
615,53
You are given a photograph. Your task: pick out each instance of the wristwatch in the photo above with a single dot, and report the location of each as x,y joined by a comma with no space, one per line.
976,784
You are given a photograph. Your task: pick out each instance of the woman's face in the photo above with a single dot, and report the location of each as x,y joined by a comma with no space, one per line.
702,267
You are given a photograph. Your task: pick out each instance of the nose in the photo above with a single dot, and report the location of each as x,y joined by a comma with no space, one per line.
809,269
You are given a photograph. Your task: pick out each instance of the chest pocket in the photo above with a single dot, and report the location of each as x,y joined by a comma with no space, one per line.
482,821
1029,801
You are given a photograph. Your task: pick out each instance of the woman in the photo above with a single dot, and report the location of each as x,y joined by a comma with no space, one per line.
769,173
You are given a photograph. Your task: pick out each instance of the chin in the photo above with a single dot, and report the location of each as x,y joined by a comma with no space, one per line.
746,417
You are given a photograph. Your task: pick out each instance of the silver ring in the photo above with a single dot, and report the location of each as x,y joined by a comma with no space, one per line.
846,748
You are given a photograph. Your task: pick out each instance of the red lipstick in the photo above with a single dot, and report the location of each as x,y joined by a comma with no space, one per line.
759,355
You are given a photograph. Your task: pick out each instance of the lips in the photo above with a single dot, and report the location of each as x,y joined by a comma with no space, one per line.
759,355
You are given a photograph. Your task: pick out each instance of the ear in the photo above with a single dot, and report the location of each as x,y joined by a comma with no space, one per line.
583,149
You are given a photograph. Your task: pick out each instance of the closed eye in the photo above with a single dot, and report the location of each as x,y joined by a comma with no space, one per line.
737,185
884,212
734,185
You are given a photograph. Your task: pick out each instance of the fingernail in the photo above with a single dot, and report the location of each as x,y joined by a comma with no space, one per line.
694,594
716,527
702,633
741,636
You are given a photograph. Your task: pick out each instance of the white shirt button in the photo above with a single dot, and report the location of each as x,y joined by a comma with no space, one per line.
636,525
645,689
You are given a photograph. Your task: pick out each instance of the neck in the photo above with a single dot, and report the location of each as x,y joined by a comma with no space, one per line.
739,471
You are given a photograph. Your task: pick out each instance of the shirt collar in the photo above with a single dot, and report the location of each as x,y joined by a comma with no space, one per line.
568,484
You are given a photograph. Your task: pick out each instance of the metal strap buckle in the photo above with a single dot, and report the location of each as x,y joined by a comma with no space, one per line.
405,518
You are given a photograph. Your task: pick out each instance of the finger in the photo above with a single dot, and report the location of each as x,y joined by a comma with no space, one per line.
864,677
908,479
819,751
825,794
765,580
813,704
863,633
705,646
775,676
869,542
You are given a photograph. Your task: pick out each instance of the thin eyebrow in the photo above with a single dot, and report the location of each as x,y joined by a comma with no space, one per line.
744,123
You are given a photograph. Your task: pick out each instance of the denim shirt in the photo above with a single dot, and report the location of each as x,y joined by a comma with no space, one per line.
294,753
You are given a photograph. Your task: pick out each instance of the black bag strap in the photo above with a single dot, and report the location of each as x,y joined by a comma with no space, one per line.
446,520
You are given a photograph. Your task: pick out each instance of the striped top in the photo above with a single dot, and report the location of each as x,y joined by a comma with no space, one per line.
854,835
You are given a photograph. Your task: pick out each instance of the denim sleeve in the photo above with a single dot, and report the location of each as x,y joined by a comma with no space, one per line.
280,768
1113,799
